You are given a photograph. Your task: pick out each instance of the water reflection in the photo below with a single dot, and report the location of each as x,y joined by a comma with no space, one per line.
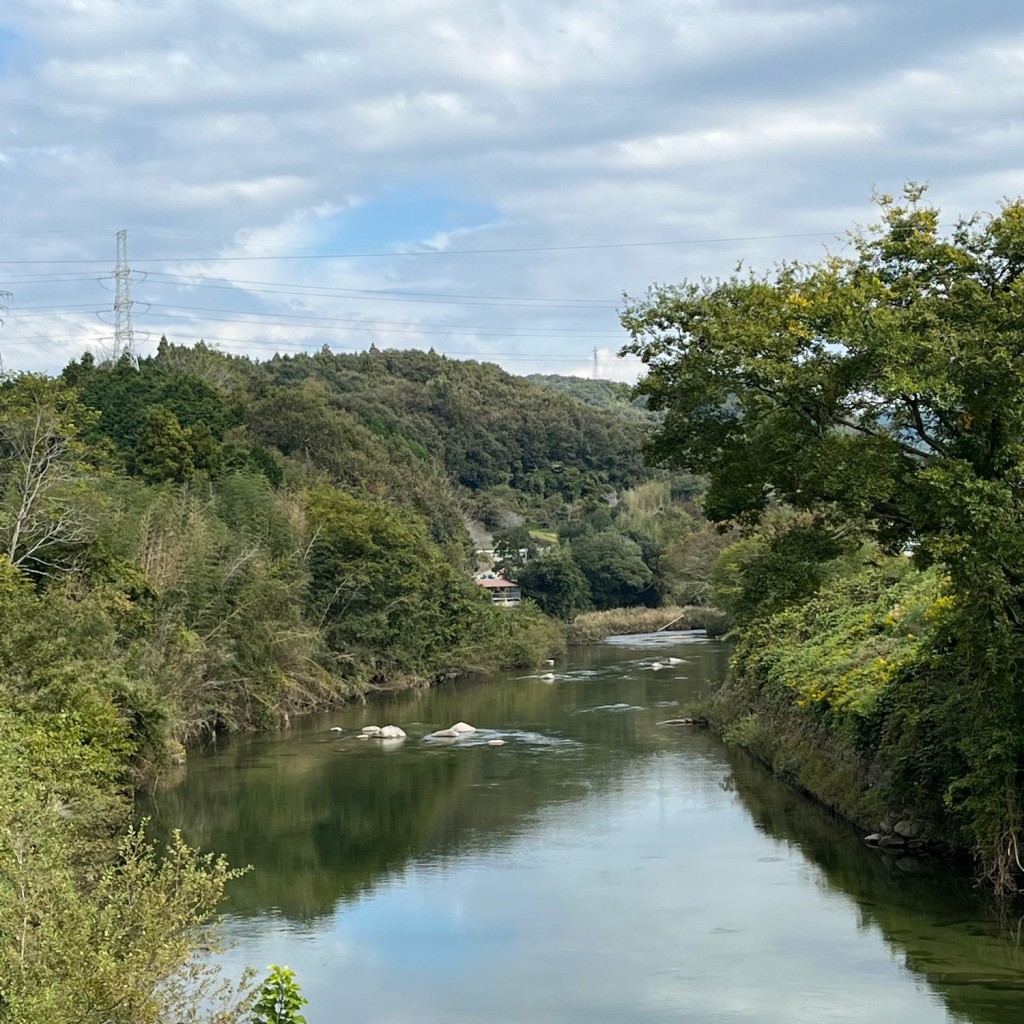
934,919
597,866
322,816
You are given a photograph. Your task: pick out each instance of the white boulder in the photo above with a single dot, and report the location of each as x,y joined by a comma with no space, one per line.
390,732
461,728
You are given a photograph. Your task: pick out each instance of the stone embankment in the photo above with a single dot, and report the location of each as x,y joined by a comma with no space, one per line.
900,833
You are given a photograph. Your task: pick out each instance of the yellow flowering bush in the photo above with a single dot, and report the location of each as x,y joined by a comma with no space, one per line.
842,649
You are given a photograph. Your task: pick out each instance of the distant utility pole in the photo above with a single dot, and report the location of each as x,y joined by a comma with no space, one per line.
5,298
124,336
595,363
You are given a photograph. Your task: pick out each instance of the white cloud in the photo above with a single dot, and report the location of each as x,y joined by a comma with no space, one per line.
768,133
211,128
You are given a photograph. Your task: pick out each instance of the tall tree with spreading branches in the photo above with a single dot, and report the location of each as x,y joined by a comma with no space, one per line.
48,508
883,386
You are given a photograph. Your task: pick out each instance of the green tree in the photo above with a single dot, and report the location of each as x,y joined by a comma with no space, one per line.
175,380
614,568
510,545
784,561
556,584
279,1000
389,600
687,564
884,388
164,450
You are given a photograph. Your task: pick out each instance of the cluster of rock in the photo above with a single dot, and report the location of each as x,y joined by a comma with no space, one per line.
382,732
899,833
393,732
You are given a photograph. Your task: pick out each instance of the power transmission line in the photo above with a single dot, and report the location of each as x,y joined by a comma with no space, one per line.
391,295
410,329
310,319
596,246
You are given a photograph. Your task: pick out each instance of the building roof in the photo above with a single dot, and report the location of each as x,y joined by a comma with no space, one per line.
495,582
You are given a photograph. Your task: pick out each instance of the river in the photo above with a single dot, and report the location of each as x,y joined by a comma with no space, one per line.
598,866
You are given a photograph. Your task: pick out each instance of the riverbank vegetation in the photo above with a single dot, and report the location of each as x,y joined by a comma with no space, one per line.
95,923
593,627
860,421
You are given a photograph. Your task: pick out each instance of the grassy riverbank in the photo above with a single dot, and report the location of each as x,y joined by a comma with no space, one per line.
593,627
852,697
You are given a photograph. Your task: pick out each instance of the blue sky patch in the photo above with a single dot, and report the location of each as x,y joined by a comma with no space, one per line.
8,42
18,50
400,217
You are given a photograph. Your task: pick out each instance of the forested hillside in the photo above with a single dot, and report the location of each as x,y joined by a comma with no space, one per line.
610,395
203,543
485,427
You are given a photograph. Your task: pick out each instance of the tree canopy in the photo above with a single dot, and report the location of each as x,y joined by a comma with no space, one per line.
879,390
889,384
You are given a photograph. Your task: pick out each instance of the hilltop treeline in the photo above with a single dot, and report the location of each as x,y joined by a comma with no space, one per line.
483,427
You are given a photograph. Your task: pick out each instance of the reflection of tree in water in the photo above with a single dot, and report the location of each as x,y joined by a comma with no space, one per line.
969,952
325,819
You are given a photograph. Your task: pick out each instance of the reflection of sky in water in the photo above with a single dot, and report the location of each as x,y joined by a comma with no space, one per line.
596,868
656,901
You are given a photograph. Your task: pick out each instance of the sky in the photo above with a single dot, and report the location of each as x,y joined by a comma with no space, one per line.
487,179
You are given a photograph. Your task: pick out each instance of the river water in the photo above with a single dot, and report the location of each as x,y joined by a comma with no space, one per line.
599,866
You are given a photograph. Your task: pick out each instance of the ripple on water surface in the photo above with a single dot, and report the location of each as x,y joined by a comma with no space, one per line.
614,708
